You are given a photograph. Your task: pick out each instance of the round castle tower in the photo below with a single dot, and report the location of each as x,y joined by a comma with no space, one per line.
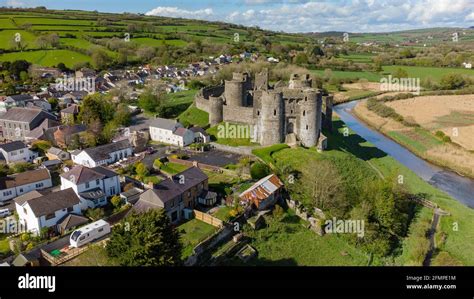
235,90
310,118
216,111
272,118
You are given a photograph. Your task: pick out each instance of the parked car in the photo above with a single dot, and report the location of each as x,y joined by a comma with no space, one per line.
4,213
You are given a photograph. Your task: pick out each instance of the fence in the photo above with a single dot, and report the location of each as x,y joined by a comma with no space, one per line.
72,253
209,219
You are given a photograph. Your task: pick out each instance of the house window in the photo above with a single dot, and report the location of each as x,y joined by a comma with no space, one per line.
112,190
6,193
13,153
87,185
25,211
50,216
70,209
100,230
21,190
97,182
39,185
22,151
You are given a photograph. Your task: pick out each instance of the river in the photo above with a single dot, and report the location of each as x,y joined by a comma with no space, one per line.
459,187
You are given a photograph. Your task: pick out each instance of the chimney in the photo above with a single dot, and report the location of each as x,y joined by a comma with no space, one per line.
150,185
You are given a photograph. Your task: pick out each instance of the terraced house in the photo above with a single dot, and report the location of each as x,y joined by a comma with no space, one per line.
104,154
15,185
16,123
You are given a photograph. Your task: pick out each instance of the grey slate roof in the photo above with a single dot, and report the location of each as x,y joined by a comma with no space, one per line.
24,178
103,152
72,220
13,146
170,189
95,193
81,174
21,97
163,123
25,114
51,202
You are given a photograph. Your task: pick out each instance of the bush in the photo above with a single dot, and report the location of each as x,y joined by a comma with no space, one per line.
259,170
116,201
157,164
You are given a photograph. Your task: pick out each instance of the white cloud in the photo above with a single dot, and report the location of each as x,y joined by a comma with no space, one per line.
15,3
175,12
343,15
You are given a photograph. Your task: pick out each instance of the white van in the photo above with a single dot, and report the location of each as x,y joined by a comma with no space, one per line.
4,213
89,233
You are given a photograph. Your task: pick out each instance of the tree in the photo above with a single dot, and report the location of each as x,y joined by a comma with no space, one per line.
146,239
100,59
95,214
452,81
400,73
259,170
42,146
150,101
141,170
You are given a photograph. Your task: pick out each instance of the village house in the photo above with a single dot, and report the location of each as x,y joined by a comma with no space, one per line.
15,185
264,193
37,210
170,132
175,194
16,123
200,135
69,114
54,153
16,151
92,185
104,154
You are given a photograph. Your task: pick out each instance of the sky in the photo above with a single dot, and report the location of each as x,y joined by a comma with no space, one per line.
290,15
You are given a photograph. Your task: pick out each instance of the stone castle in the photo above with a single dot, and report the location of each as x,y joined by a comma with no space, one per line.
280,113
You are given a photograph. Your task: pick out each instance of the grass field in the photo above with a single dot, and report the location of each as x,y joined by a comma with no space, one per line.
7,36
47,57
435,73
287,242
372,77
192,233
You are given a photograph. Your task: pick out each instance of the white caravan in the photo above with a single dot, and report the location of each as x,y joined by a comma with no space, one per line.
89,233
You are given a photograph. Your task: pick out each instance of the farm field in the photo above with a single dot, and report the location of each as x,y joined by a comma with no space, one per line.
454,115
8,36
47,57
435,73
422,140
372,77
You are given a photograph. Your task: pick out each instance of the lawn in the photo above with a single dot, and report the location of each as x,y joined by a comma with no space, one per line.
288,243
47,57
192,233
194,116
223,213
173,168
213,132
436,73
177,103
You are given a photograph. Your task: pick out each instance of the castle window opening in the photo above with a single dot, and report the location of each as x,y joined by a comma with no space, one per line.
258,112
274,112
307,127
304,112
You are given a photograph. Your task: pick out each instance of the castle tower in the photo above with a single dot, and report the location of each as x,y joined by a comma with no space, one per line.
310,118
216,113
261,80
271,118
297,81
328,103
236,90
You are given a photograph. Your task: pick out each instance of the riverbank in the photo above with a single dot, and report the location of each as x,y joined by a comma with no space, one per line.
455,234
419,141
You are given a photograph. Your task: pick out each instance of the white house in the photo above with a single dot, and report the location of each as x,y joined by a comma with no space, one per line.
170,132
92,185
16,185
37,210
16,151
467,65
104,154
